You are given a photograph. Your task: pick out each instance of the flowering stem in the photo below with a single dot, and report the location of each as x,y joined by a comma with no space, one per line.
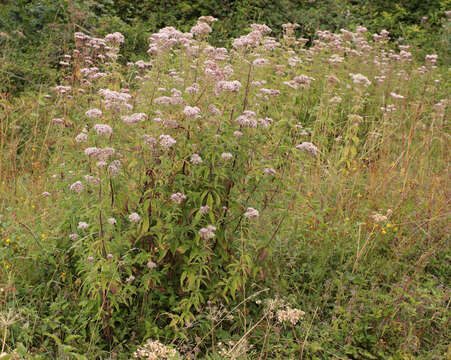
100,216
246,334
264,339
200,96
111,191
247,86
157,82
227,314
307,334
4,338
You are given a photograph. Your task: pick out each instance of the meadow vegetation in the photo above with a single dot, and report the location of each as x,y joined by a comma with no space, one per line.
270,200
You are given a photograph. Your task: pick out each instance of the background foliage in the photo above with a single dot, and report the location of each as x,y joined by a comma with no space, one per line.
34,34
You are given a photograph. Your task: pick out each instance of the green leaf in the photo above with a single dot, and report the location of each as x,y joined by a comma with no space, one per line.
54,337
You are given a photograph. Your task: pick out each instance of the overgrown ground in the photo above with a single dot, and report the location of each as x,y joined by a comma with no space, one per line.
269,201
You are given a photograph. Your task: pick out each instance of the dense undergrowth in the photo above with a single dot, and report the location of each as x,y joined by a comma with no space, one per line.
270,201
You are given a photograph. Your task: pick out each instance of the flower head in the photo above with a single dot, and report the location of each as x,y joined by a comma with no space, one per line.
93,113
151,265
134,118
115,38
309,147
134,217
396,96
166,141
82,137
360,79
230,86
247,119
92,151
82,225
59,120
201,29
192,112
208,232
204,209
269,171
178,198
103,129
251,213
260,62
226,156
76,187
196,159
290,315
